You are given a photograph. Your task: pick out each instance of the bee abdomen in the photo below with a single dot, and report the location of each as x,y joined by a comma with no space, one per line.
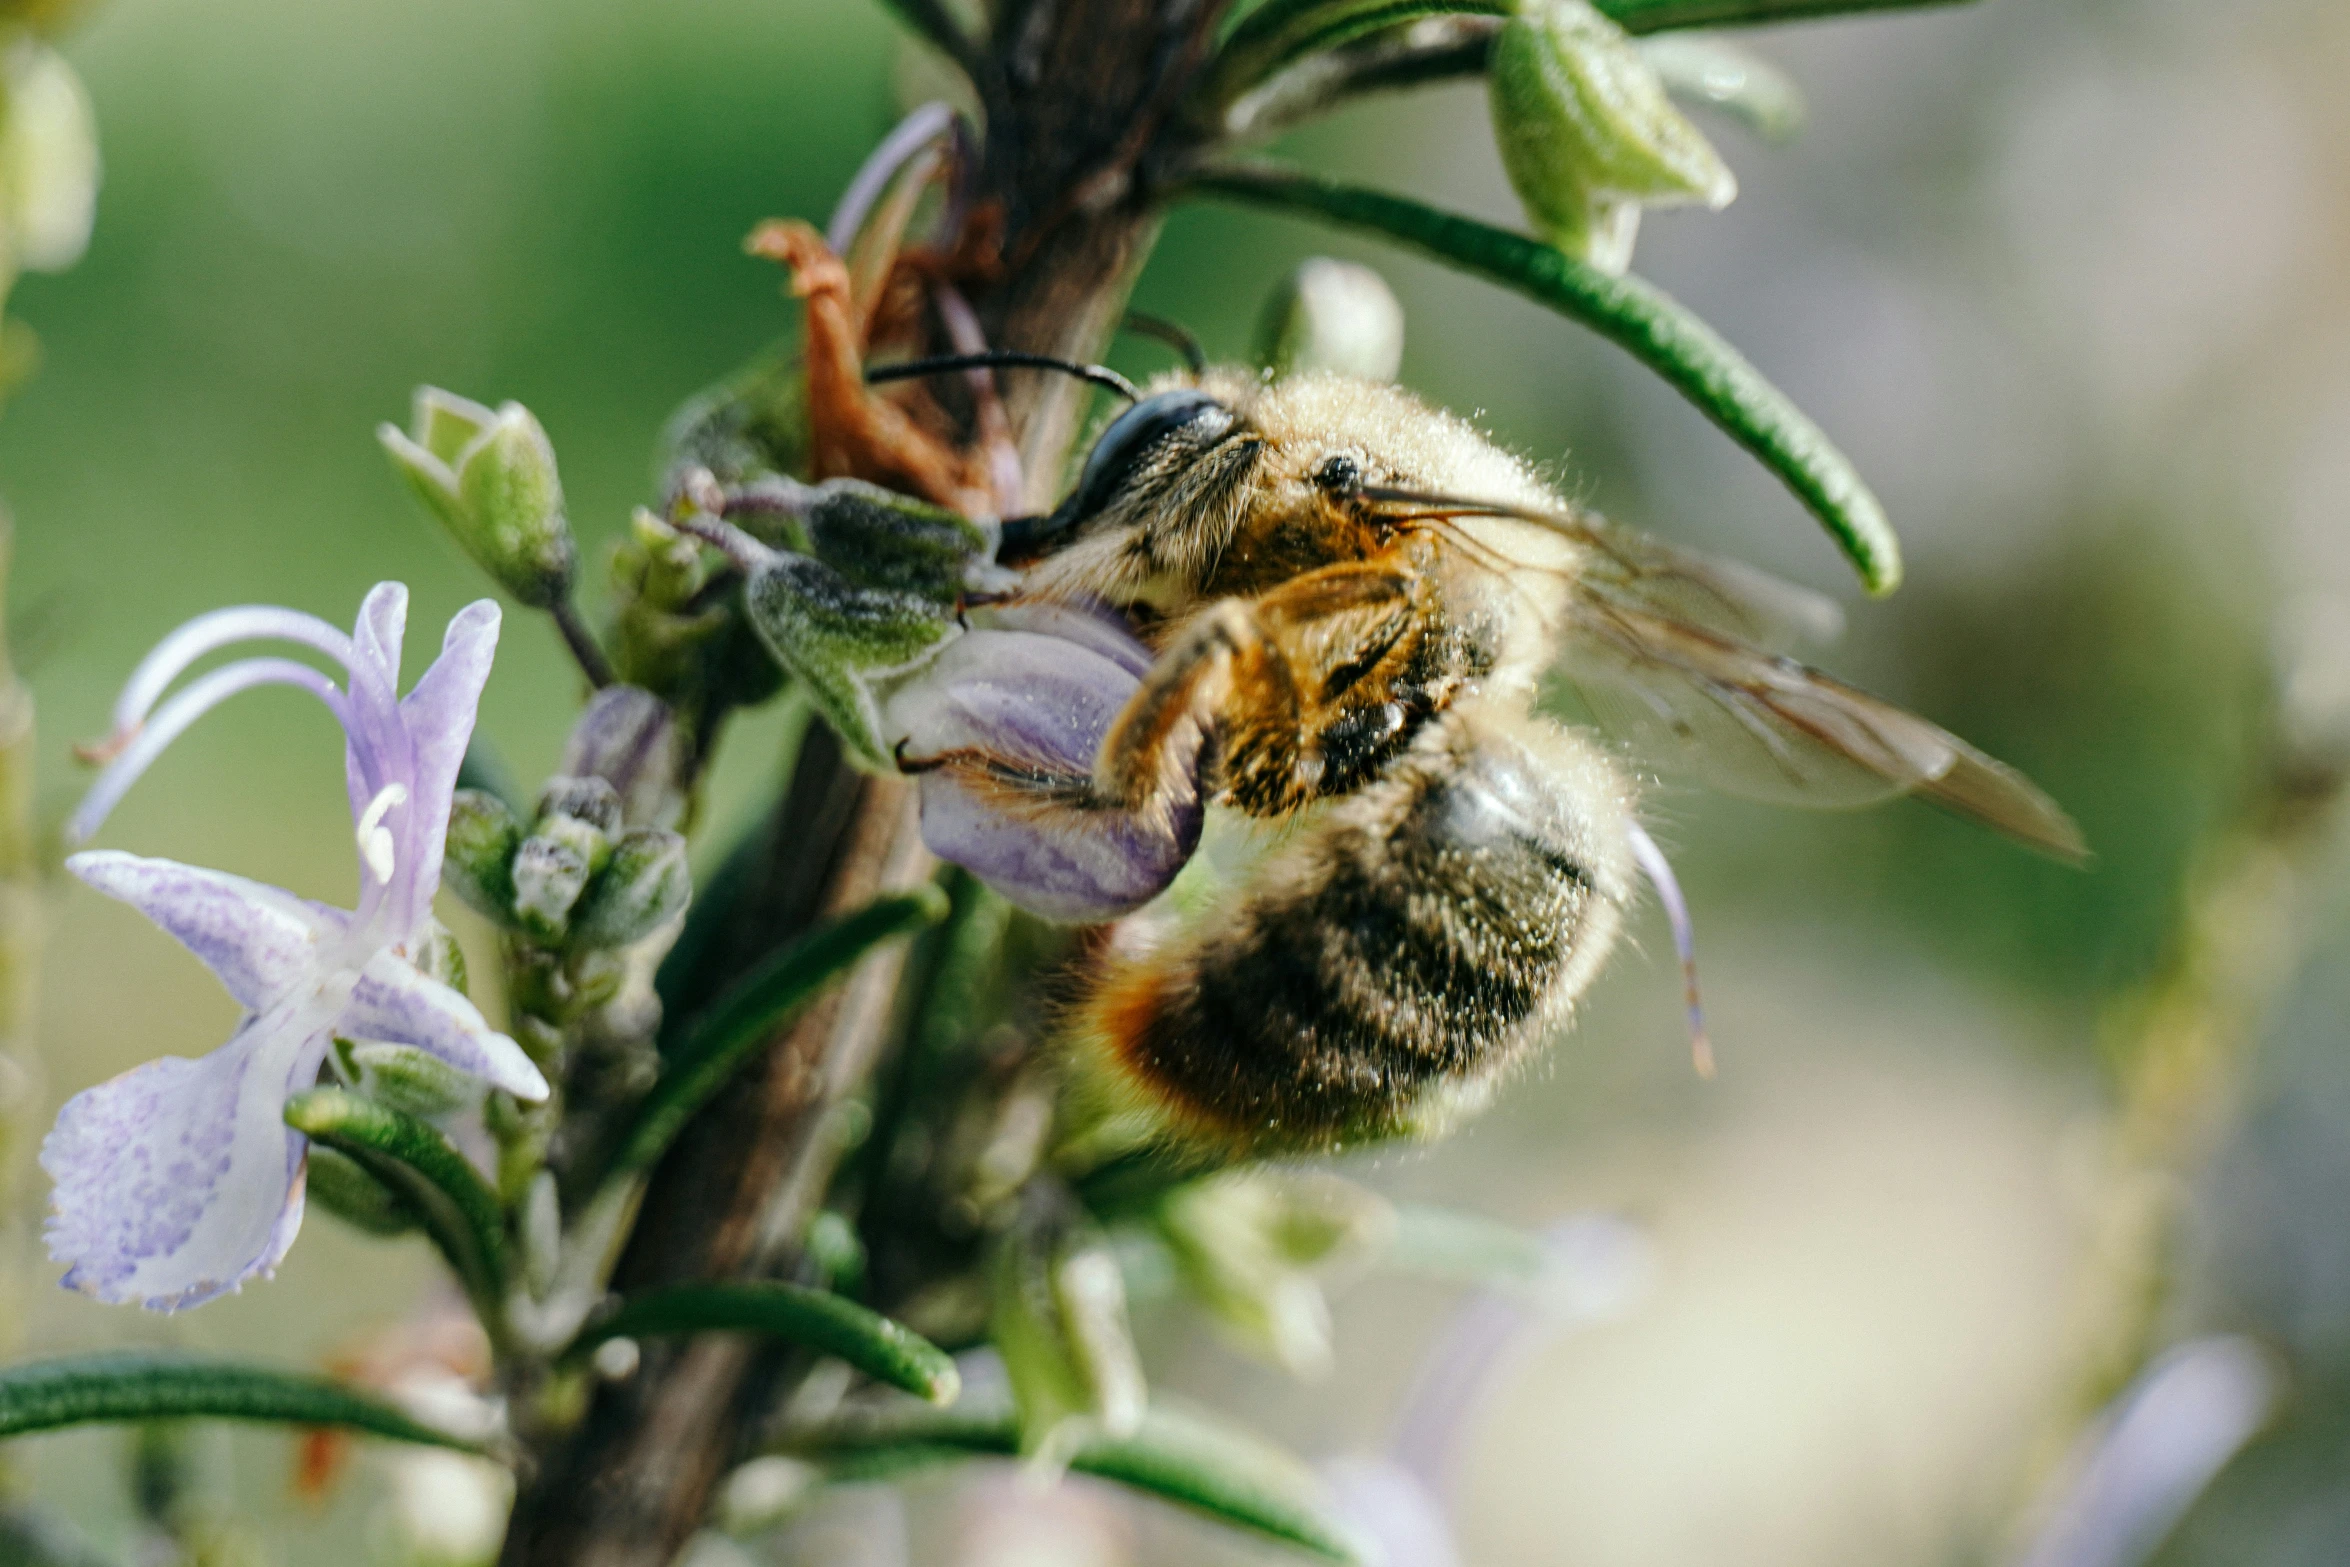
1386,968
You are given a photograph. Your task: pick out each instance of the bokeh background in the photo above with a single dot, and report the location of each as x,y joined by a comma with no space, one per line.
2070,279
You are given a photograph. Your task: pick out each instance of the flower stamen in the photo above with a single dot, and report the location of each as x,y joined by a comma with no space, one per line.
376,845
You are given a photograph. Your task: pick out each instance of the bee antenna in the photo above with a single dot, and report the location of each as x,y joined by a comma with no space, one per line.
1659,872
948,364
1174,334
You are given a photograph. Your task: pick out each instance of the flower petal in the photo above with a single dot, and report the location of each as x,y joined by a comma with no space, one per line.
378,753
261,942
438,716
1003,727
1086,621
179,1180
394,1001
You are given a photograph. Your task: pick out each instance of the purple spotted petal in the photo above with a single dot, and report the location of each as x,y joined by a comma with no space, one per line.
1007,725
179,1180
394,1002
260,942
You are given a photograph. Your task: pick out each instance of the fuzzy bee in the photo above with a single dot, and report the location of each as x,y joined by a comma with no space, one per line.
1319,604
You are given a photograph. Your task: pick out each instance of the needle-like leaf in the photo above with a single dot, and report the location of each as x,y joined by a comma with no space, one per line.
884,1350
411,1157
81,1389
1180,1456
1639,317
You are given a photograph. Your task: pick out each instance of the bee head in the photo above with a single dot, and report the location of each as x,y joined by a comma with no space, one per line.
1141,455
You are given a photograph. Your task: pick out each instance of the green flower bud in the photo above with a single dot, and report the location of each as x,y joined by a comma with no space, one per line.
1058,1319
629,738
483,836
1244,1242
1587,133
490,478
407,1078
1332,315
549,876
572,801
644,885
48,162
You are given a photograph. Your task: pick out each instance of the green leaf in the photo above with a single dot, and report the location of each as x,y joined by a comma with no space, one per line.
459,1210
80,1389
884,1350
741,1022
1654,16
1180,1456
341,1185
1283,32
1639,317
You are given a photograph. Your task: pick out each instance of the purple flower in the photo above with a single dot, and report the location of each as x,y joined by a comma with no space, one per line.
1003,728
179,1180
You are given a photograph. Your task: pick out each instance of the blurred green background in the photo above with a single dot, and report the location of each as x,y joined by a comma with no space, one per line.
2066,277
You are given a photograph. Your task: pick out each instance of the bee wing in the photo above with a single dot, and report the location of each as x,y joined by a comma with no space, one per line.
1764,726
1616,562
1726,597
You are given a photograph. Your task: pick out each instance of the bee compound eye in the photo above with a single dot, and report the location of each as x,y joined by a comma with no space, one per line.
1131,437
1339,475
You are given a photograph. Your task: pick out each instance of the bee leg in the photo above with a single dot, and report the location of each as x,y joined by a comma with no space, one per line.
1266,676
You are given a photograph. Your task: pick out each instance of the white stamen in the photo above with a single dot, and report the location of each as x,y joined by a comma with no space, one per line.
1653,865
137,744
375,839
221,628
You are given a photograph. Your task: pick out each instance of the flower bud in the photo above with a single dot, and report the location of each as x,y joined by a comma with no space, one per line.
644,885
1332,315
407,1078
490,477
629,739
48,162
570,802
549,876
1237,1242
483,836
1587,133
1058,1319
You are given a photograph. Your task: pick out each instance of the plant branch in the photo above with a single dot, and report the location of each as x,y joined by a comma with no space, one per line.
582,642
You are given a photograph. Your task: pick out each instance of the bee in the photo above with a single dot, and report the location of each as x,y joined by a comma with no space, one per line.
1352,599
